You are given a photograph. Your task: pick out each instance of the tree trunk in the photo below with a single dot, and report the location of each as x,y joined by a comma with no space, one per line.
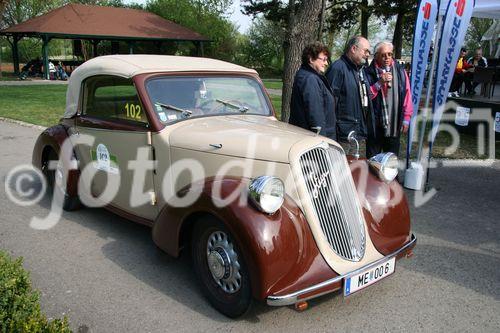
397,40
365,15
301,29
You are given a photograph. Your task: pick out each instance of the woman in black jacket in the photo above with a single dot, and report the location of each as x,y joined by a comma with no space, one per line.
312,105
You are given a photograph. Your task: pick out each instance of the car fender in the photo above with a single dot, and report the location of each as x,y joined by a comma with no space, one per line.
385,208
54,138
278,249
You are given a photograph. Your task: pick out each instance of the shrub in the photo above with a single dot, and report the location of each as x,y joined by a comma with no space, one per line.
19,303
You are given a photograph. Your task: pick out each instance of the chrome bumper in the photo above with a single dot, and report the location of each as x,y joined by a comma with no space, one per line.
295,296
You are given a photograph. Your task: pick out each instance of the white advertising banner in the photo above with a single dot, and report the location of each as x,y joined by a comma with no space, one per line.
456,22
422,39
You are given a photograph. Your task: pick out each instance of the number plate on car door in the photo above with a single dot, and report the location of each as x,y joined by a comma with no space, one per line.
370,276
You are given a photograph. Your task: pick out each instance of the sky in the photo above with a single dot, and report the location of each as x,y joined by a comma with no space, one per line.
242,21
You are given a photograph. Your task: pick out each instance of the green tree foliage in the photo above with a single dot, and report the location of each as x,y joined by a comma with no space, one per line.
301,21
19,304
405,12
477,28
337,41
18,11
344,14
264,49
204,17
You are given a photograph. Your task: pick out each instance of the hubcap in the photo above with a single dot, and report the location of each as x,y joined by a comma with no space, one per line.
223,262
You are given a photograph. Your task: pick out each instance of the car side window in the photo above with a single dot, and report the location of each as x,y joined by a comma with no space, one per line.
113,98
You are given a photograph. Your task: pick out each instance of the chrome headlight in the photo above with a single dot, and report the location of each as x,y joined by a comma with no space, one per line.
385,165
267,193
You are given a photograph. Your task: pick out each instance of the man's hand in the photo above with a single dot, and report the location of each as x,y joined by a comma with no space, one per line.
385,78
404,128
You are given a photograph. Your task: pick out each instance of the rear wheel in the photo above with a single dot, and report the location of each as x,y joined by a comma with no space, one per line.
55,178
221,269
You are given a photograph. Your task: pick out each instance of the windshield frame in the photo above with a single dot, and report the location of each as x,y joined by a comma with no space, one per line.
142,80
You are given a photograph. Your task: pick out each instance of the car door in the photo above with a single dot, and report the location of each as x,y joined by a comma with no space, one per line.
113,116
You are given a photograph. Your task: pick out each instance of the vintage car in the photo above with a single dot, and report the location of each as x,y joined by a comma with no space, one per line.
191,147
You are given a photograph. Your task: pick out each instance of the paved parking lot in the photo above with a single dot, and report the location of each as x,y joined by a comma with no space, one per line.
106,275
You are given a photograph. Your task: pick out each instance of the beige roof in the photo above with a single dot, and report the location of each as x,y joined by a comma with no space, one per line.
134,64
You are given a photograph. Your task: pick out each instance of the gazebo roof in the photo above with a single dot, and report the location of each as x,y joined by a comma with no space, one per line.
100,22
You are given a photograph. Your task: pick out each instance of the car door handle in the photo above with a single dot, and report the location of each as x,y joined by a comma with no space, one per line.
216,145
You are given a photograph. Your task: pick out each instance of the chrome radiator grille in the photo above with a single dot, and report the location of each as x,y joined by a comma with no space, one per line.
333,196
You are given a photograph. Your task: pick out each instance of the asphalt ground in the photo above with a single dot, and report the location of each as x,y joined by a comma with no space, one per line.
106,275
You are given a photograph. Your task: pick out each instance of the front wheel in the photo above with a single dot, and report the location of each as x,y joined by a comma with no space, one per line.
221,269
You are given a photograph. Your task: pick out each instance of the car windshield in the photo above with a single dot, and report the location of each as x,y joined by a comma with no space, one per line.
177,98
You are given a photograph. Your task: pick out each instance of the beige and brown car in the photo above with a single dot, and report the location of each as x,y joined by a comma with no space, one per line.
191,147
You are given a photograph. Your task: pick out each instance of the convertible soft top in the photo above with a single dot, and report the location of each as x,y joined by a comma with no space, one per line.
130,65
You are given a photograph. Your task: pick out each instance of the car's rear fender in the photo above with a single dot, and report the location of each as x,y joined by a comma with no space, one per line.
53,138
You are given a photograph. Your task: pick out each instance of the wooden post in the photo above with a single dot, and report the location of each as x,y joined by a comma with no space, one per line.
95,43
115,47
158,46
45,53
200,52
15,54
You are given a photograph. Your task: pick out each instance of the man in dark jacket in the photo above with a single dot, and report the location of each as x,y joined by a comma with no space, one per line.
312,105
349,87
477,61
391,100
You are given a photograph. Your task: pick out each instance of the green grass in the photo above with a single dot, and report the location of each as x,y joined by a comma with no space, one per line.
44,105
7,76
273,84
41,105
276,100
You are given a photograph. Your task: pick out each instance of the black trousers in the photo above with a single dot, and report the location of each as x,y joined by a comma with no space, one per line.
381,144
459,79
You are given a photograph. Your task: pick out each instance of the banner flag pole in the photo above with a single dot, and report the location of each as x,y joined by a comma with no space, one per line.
456,21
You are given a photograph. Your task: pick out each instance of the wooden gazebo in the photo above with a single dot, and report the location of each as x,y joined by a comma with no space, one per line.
98,23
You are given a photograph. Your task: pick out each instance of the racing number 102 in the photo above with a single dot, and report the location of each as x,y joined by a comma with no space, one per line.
133,111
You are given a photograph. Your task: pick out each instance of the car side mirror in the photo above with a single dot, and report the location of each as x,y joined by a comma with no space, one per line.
353,140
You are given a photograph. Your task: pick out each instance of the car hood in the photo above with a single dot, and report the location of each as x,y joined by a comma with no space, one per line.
247,136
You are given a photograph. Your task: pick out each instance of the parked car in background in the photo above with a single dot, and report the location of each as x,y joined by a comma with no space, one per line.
191,147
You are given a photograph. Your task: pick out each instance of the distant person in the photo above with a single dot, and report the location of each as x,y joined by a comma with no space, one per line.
312,104
477,61
391,100
61,73
52,71
351,91
463,74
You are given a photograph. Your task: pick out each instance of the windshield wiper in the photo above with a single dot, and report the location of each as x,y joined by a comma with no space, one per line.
185,113
240,108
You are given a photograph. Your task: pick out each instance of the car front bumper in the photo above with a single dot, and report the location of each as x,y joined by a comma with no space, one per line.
335,283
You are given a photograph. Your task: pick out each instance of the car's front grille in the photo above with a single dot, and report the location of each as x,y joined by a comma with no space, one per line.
333,196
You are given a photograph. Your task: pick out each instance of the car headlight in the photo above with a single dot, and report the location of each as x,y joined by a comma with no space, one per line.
385,165
267,193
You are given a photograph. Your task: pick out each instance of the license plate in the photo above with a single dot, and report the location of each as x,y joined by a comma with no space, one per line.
370,276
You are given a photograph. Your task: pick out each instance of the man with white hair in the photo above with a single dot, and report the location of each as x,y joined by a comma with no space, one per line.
391,100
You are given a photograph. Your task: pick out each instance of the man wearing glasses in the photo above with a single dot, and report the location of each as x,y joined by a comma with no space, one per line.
391,99
312,105
346,78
